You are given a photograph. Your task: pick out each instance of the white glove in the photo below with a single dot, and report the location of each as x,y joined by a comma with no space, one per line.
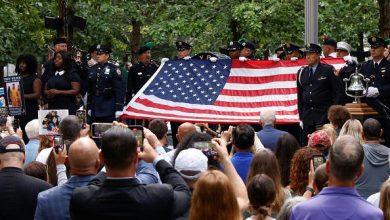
372,92
294,58
348,59
213,59
186,58
242,59
163,60
118,114
275,59
301,124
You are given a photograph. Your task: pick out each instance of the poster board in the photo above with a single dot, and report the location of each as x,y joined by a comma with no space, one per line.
50,119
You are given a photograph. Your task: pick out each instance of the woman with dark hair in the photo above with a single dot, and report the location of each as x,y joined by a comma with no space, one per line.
188,142
265,162
300,167
63,84
26,67
286,146
262,194
36,169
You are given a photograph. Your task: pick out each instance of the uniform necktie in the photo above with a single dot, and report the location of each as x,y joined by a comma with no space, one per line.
376,65
310,72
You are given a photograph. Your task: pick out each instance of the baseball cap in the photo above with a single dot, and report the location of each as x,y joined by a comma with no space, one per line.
191,160
319,140
8,140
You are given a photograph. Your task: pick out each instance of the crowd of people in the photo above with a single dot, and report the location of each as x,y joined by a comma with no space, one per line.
339,170
342,173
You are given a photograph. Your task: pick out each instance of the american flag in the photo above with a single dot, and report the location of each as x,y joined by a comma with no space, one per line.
226,91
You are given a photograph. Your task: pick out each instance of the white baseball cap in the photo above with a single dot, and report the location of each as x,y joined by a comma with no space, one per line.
191,160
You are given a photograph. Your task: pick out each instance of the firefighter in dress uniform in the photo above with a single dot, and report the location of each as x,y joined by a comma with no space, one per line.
318,89
378,93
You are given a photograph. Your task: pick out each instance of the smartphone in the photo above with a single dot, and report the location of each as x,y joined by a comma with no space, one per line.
139,135
98,129
82,116
3,115
206,147
58,143
317,161
15,124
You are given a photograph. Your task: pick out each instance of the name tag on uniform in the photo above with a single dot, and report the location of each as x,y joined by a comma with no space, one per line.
139,73
322,78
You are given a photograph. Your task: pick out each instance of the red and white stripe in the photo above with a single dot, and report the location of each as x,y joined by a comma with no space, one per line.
251,85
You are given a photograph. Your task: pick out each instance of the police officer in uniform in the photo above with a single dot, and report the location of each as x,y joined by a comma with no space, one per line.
140,73
292,50
105,88
318,89
183,50
378,93
248,50
234,49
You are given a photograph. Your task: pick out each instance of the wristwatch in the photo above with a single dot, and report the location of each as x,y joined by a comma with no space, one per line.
309,188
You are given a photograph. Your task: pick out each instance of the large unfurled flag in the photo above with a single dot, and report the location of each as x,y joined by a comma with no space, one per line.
225,91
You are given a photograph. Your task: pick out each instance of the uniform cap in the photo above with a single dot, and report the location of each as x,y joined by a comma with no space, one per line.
103,49
313,48
181,45
249,45
344,46
234,45
330,42
289,48
376,42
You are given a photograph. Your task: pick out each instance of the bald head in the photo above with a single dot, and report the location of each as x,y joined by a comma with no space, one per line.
12,159
346,158
83,157
185,129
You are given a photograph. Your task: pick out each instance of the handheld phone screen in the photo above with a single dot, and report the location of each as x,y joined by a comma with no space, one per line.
58,143
98,129
317,161
206,147
139,135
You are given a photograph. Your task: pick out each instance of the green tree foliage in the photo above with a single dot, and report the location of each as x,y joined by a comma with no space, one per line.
209,25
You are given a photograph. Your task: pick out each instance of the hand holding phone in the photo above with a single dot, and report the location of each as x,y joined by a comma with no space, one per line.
139,135
58,143
317,161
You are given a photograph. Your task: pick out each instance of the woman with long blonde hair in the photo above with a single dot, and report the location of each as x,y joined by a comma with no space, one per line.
353,127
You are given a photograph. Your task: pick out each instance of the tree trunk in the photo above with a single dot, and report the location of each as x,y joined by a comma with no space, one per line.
135,40
384,18
236,34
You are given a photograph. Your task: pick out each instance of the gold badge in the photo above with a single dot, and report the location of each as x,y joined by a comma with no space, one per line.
373,39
